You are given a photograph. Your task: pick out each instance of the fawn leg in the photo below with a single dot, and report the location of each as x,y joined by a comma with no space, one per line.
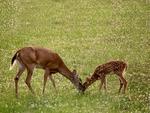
105,84
121,84
101,84
124,83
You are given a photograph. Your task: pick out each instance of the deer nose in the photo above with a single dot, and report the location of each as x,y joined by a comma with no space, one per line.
81,89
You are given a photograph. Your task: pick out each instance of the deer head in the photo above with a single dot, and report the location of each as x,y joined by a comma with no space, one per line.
77,81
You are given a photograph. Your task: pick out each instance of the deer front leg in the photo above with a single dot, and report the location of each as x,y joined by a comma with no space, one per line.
105,84
28,78
101,84
21,70
45,79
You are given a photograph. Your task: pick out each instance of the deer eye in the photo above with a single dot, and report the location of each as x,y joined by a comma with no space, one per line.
74,72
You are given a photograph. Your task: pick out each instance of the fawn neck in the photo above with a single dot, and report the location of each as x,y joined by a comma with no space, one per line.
89,82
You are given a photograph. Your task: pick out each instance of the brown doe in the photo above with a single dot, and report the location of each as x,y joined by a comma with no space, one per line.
116,67
35,57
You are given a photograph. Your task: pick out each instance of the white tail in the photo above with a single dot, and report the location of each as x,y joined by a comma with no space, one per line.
12,66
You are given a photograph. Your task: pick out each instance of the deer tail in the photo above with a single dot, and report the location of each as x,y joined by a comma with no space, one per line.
13,61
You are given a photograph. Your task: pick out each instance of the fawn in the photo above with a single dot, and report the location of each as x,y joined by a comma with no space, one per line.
35,57
116,67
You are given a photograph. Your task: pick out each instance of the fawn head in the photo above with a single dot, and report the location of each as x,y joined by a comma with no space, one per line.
84,86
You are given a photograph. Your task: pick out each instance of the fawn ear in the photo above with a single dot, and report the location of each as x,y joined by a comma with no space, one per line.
87,78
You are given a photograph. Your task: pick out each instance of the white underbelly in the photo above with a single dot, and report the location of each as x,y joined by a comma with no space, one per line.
38,66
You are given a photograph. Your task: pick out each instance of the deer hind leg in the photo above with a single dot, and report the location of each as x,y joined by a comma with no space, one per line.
121,84
21,70
45,79
53,82
123,80
29,76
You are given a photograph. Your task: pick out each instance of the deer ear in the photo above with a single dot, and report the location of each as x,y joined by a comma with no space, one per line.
74,72
80,80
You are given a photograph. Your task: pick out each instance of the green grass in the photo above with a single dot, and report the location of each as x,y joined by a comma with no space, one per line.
85,33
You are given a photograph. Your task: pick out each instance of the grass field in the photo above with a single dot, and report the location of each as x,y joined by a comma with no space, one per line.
85,33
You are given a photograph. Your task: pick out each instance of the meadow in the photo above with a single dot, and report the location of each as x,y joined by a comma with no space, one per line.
85,33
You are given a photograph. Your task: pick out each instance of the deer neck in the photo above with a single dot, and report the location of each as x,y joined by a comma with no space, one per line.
66,72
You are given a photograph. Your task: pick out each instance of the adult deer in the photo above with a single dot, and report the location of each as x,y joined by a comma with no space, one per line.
116,67
35,57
